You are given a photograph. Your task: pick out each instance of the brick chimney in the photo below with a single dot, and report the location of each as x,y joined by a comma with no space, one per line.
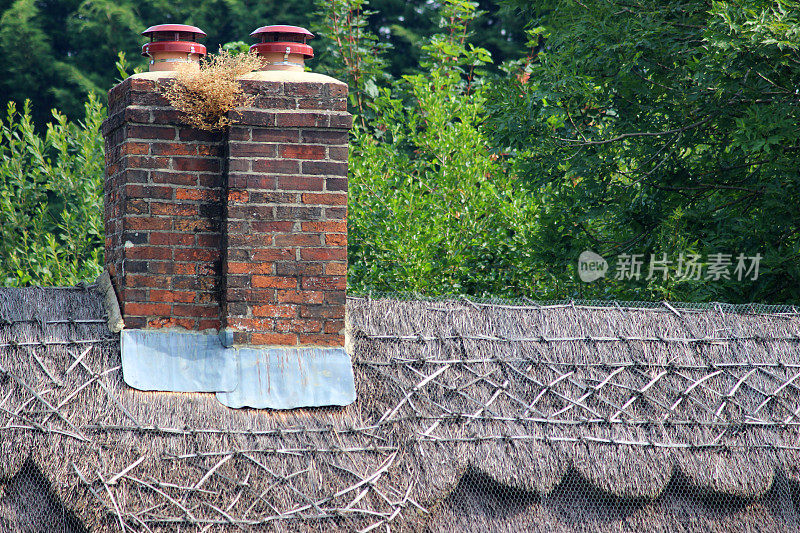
241,231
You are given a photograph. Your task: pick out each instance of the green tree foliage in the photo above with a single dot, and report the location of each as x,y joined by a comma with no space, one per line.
51,198
431,210
661,127
36,64
57,51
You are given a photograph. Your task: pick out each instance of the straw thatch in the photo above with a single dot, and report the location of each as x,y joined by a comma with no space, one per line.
487,416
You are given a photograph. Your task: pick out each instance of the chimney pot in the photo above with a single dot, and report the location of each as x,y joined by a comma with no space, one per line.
283,47
171,45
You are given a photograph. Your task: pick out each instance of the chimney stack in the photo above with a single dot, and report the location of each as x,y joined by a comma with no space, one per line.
242,231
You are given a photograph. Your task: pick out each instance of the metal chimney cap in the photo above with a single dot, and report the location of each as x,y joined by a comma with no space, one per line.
283,29
174,27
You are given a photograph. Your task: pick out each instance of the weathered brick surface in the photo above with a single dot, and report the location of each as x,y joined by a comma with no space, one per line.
287,248
244,229
164,203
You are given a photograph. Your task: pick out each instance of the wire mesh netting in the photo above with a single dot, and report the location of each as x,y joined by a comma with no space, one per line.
474,415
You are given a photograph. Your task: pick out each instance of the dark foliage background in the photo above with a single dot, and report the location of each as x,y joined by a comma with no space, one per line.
494,141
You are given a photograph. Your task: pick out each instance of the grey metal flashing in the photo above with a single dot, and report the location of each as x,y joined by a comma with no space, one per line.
286,378
176,361
261,378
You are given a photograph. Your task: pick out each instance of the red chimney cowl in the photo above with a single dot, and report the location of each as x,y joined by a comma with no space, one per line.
173,44
283,47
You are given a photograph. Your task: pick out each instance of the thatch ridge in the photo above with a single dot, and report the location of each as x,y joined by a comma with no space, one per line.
628,399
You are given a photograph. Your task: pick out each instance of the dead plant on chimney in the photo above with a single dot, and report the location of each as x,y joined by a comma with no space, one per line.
206,95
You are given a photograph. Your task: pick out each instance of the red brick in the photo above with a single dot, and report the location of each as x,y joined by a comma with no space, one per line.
164,322
279,339
172,296
323,254
197,194
276,136
167,116
274,311
148,252
146,161
335,327
138,280
338,153
134,295
239,165
145,191
305,89
209,324
337,89
174,178
185,269
274,282
194,224
209,150
204,311
336,213
298,268
249,323
199,164
171,239
249,295
325,168
249,268
299,297
335,298
237,282
204,269
173,149
325,104
299,183
326,136
322,311
336,239
150,132
297,239
178,210
303,151
196,254
145,309
303,120
238,197
335,269
133,322
134,148
325,199
275,166
256,118
341,120
321,340
252,149
327,283
187,134
239,134
191,283
299,325
272,255
209,241
326,226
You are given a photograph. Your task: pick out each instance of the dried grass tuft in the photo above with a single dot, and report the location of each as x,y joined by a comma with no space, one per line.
206,95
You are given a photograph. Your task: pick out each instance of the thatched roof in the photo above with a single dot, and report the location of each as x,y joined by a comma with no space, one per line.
487,416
